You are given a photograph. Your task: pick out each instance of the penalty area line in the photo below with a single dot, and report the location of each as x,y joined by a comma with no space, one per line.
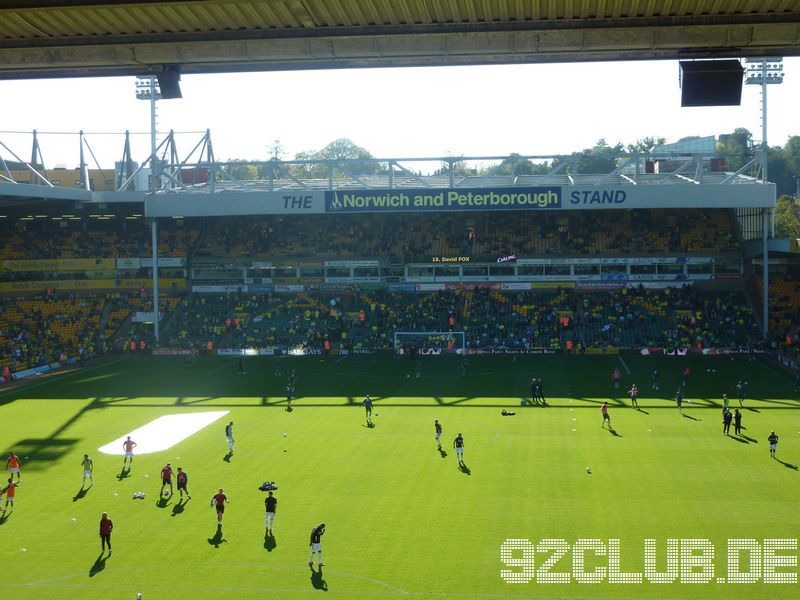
227,364
775,372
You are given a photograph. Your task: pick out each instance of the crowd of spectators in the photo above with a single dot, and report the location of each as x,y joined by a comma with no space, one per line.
784,309
418,237
562,319
36,330
92,238
397,238
40,330
51,327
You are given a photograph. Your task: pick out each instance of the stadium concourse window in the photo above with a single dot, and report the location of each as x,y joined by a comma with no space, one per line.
475,271
668,269
643,269
397,271
615,269
700,269
366,272
530,270
261,273
420,271
557,270
501,271
336,272
312,272
286,272
587,269
728,268
447,272
217,274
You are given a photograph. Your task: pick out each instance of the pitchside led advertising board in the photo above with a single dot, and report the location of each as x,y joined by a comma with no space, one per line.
396,200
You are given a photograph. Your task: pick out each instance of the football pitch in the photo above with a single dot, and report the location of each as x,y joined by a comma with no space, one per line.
404,519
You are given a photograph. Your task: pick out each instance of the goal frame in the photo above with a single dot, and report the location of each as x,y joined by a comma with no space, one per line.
399,334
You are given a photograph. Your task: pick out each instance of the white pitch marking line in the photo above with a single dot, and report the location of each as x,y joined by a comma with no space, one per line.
227,364
619,356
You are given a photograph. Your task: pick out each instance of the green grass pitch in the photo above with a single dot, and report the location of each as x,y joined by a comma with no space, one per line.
402,520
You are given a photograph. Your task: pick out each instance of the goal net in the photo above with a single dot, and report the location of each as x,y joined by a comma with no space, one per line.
429,342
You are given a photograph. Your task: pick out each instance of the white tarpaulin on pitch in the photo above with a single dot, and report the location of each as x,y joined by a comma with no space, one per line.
164,432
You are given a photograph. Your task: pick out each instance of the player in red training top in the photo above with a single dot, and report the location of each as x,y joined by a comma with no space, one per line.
128,445
183,483
166,479
11,492
615,376
13,464
634,392
606,416
219,501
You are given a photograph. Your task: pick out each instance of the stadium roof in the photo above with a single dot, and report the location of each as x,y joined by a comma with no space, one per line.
58,38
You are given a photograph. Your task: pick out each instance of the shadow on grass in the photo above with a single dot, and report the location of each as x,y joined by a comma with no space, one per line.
270,543
227,457
81,493
691,417
99,565
462,466
163,502
317,582
737,439
788,465
124,474
4,517
751,409
178,508
369,425
40,452
217,539
614,433
748,438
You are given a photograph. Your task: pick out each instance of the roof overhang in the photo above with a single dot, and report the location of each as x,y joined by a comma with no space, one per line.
76,38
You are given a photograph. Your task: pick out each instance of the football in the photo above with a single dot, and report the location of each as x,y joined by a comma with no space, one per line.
589,470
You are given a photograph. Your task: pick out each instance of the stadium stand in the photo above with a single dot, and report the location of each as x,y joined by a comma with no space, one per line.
41,328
